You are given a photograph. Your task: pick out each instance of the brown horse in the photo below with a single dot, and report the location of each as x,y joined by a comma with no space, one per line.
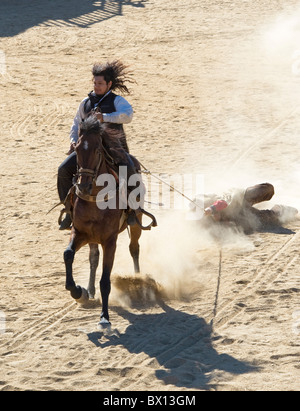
98,212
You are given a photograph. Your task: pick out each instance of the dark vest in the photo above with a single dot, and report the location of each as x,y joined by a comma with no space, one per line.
106,106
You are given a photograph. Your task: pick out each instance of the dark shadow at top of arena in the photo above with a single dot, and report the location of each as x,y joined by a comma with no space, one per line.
16,16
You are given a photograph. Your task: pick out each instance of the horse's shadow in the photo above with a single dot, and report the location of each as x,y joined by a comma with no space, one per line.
16,18
182,345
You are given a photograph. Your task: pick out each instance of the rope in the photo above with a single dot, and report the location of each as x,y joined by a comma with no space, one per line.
218,289
146,171
215,310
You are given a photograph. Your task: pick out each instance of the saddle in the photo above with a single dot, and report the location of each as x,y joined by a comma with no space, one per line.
130,216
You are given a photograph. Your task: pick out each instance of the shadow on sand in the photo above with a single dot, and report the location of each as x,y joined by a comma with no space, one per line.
181,343
16,16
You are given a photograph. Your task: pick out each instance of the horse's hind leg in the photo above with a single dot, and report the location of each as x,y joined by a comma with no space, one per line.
69,255
134,247
94,262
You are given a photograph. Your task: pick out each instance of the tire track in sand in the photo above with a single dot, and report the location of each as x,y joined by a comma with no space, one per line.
39,119
38,328
263,277
260,140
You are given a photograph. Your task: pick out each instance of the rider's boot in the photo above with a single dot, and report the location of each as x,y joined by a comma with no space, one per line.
66,223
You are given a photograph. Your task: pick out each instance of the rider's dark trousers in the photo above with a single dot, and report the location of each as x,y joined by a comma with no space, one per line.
249,217
66,173
68,169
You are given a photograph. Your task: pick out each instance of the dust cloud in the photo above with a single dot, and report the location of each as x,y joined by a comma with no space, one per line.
172,253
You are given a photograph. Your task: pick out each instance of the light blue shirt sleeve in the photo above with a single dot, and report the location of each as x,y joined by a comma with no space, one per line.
80,115
123,113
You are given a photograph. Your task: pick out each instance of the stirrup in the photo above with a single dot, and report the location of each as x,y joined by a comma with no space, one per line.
153,222
137,221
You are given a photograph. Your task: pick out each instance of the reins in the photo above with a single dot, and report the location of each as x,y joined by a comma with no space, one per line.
94,174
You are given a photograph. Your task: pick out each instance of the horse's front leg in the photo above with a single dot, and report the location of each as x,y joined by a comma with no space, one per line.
69,255
94,262
109,250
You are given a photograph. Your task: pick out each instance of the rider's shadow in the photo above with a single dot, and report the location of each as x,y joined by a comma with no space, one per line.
182,345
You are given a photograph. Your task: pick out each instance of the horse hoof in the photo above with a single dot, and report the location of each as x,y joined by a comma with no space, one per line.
84,298
91,295
76,292
104,324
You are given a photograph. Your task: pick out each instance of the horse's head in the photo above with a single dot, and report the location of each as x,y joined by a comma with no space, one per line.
89,154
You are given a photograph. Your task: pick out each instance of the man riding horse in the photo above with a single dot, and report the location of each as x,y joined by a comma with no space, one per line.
109,108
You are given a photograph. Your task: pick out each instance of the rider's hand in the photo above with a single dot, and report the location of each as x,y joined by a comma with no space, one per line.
72,149
99,117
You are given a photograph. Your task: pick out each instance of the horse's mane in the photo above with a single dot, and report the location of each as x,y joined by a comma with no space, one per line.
89,125
111,138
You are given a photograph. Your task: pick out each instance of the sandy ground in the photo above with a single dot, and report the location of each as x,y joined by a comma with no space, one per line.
217,94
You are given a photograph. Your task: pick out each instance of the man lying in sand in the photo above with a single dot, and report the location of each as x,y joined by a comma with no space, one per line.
237,206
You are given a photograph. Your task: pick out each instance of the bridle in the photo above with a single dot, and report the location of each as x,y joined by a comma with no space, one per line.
89,173
110,163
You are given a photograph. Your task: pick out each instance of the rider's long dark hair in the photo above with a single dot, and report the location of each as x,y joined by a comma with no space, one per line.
116,72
